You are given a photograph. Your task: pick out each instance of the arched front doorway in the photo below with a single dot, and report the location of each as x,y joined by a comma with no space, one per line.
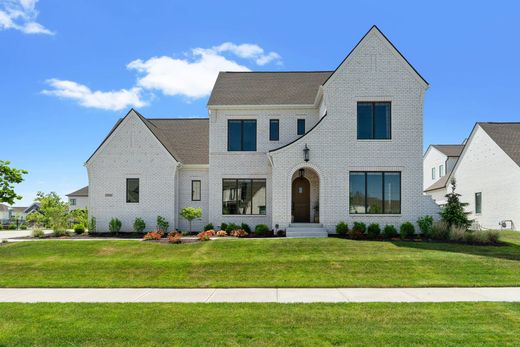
301,200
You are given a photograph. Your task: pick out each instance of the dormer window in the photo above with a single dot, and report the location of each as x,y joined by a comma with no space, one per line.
374,121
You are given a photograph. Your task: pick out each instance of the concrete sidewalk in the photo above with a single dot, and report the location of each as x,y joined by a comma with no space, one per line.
281,295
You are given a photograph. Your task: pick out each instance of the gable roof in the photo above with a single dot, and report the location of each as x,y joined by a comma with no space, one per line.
440,183
506,135
450,150
80,192
186,139
267,88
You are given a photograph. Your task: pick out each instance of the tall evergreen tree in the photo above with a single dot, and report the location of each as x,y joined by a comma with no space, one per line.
453,212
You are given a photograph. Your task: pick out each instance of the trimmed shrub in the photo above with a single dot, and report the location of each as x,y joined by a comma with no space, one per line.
231,226
281,233
373,230
261,229
238,233
23,227
152,235
139,225
457,233
342,228
162,225
246,227
59,232
223,226
390,232
79,229
440,231
425,225
114,226
38,232
12,226
205,235
221,233
358,230
407,230
174,237
209,226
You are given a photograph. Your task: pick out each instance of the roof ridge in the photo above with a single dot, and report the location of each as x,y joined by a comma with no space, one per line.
180,118
498,122
293,71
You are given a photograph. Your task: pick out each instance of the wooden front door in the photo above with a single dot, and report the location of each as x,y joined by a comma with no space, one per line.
301,200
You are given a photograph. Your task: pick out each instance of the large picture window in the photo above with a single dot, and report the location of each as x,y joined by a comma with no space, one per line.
375,192
374,121
241,135
243,196
132,190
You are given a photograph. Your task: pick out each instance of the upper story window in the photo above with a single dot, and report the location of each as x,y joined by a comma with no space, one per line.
478,202
132,190
195,190
433,173
441,170
242,135
274,130
72,202
374,121
301,126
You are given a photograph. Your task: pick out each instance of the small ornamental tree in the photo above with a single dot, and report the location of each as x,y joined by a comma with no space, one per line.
453,212
8,178
54,209
191,213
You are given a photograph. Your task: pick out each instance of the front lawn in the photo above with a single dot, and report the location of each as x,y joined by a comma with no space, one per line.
328,262
383,324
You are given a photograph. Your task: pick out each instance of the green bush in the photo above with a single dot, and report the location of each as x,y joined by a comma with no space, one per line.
482,237
38,232
231,226
12,226
246,228
209,226
114,226
92,225
457,233
139,225
493,236
407,230
358,230
390,231
373,230
79,229
223,226
342,228
162,225
425,225
59,232
440,231
23,227
261,229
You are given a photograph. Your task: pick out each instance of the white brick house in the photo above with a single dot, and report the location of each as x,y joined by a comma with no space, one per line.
277,148
438,163
78,199
487,176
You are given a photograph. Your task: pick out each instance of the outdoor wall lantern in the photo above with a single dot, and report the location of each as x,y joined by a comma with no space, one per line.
306,153
301,172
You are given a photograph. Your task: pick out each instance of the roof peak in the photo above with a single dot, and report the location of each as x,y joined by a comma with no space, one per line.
289,71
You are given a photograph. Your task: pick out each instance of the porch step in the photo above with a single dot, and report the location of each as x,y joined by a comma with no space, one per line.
306,230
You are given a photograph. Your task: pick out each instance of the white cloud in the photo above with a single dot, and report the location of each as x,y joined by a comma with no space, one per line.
192,76
111,100
21,15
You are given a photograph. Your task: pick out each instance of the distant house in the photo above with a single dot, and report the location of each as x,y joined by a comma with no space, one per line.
78,199
438,163
4,213
488,175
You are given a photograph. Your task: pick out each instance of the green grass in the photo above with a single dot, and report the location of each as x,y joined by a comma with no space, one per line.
441,324
328,262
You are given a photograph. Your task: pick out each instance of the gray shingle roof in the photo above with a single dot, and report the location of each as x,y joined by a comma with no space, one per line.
267,88
441,183
506,135
80,192
450,150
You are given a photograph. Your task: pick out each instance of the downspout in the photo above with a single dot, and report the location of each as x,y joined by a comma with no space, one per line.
176,207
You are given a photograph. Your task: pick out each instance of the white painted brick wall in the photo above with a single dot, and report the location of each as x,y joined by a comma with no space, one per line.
184,189
485,168
132,152
433,158
81,202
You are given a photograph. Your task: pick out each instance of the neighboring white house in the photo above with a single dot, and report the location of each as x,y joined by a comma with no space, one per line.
438,162
487,175
278,148
4,214
78,199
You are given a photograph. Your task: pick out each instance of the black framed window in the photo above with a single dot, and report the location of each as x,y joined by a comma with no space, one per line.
478,202
132,190
72,202
195,190
274,130
243,196
301,126
374,192
242,135
374,121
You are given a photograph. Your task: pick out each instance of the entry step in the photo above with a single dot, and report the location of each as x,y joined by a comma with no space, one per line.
306,230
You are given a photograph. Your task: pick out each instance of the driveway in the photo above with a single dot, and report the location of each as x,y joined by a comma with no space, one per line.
10,234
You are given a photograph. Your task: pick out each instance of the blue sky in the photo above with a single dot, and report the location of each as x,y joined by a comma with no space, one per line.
70,69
